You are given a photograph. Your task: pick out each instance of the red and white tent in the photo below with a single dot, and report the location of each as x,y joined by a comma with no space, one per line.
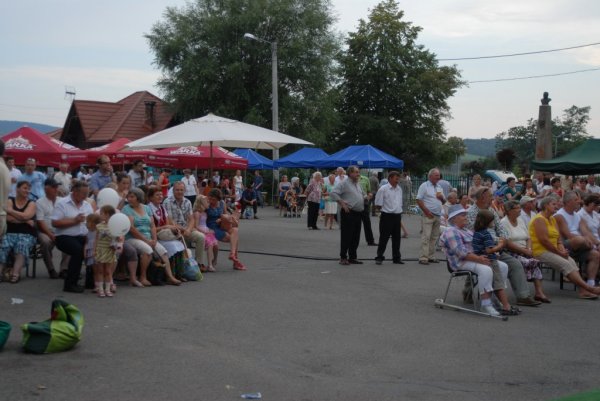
118,153
27,142
197,157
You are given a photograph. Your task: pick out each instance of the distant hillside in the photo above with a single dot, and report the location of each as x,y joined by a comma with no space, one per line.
10,126
481,147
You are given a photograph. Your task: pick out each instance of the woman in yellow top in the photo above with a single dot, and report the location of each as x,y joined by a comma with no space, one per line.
548,248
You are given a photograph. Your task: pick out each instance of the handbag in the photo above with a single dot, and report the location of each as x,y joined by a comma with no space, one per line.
167,234
156,270
191,270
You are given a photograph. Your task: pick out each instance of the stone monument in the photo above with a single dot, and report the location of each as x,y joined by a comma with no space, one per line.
543,146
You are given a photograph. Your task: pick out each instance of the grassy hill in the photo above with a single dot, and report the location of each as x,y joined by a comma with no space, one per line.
481,147
10,126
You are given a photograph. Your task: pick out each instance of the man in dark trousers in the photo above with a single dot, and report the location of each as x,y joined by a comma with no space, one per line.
351,199
366,217
389,202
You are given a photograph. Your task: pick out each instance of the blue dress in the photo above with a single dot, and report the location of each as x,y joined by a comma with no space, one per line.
212,215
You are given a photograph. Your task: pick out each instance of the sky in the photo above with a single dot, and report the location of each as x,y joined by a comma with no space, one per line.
98,49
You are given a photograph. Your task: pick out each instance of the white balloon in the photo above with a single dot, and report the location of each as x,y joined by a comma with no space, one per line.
119,224
108,196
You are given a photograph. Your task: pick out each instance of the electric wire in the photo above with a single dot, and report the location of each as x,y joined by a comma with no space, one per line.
519,54
534,76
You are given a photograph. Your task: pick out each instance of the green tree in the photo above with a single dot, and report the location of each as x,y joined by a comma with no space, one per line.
207,65
568,130
393,93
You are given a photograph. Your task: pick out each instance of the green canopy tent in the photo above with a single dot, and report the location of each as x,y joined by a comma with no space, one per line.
584,159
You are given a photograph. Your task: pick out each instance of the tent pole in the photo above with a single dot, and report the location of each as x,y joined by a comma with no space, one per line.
210,170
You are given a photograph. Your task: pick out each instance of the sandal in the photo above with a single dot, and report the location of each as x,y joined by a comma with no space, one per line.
237,265
211,269
510,312
173,281
14,279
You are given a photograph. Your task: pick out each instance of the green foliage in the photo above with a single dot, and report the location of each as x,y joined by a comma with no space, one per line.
568,130
393,93
208,66
506,157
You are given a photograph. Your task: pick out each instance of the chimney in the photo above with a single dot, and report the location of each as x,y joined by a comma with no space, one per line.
149,118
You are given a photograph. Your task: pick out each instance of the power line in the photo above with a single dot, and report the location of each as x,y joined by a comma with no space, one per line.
519,54
535,76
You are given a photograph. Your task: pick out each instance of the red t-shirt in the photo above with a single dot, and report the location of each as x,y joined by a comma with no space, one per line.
163,180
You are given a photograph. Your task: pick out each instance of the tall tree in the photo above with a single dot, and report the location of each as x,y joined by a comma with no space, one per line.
393,92
208,66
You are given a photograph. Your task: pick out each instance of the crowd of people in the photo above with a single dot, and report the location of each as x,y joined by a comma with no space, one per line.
59,211
505,234
510,233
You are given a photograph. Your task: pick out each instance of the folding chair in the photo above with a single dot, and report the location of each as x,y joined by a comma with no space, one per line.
472,280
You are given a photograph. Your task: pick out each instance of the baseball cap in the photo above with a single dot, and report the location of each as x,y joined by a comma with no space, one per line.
455,210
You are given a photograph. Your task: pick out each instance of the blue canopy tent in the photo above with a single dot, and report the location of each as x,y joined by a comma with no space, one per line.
303,158
256,161
363,156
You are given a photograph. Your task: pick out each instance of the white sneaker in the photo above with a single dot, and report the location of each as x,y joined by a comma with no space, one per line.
489,309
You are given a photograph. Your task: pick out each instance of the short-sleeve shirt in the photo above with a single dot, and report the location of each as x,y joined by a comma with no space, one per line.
180,212
142,223
389,199
427,194
44,208
190,185
482,240
65,208
99,180
36,180
519,234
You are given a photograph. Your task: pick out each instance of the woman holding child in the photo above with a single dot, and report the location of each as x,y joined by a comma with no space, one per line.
224,226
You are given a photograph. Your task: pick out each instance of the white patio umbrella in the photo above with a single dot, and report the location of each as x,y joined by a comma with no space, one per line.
219,131
216,131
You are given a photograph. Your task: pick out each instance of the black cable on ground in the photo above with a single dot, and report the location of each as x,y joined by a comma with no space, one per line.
311,257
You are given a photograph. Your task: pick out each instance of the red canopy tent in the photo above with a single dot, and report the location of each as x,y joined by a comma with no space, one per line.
195,157
118,153
27,142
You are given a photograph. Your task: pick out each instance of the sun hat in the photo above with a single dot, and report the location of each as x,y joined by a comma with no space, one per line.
455,210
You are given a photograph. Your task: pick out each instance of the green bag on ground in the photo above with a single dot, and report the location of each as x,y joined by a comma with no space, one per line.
59,333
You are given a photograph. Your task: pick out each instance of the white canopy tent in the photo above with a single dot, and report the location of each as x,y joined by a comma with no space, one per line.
218,131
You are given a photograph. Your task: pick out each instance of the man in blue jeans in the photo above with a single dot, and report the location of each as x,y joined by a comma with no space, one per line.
68,220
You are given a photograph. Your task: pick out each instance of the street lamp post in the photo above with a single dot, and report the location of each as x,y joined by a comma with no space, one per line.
274,91
556,142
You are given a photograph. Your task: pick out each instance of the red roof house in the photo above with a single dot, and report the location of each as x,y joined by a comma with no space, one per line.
92,123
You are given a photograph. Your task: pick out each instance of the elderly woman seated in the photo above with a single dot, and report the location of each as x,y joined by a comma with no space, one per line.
457,241
547,246
519,245
20,232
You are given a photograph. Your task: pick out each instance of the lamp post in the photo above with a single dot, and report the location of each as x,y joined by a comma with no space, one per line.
274,91
556,142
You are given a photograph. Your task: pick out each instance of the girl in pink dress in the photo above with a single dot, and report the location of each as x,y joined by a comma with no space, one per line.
211,244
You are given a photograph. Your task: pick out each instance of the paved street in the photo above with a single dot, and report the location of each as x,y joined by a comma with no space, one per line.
298,326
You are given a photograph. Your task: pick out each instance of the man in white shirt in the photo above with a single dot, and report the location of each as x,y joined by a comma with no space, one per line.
137,174
64,179
576,235
15,174
340,175
388,201
44,208
216,178
68,220
591,187
527,209
191,185
4,190
430,198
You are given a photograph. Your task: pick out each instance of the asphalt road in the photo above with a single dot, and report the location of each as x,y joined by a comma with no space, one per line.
301,329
